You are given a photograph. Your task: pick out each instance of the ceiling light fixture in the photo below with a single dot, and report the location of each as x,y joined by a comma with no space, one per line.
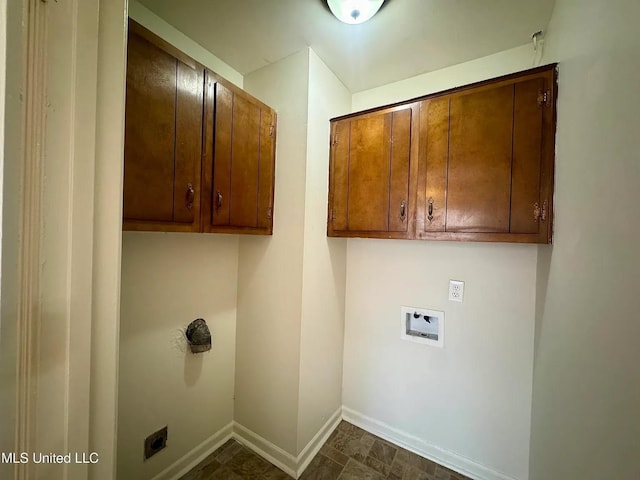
354,11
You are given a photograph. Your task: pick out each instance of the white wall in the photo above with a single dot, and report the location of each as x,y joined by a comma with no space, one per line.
270,269
469,404
586,406
160,27
168,280
324,263
502,63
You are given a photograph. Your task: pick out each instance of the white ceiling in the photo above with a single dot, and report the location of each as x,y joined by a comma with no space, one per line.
406,38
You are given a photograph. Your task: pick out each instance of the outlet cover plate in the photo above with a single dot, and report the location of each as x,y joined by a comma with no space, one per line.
456,290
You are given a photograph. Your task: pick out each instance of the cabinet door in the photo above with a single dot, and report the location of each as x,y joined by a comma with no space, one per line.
370,173
239,161
479,173
486,161
163,137
432,173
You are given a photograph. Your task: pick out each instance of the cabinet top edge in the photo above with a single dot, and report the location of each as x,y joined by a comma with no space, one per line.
552,67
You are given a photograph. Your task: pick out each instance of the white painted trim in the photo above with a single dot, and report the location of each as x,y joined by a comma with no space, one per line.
181,466
267,450
316,443
107,236
418,446
30,226
291,465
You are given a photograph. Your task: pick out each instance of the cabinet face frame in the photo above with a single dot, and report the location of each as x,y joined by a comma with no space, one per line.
336,226
417,182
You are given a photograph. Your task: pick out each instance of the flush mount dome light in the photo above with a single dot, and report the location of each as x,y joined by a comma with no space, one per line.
354,11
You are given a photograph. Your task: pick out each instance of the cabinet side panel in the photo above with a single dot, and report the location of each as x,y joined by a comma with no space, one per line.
189,100
149,132
222,155
527,153
399,181
339,175
369,174
435,141
243,199
479,175
267,167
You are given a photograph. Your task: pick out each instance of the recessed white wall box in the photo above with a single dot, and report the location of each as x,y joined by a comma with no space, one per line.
422,326
456,290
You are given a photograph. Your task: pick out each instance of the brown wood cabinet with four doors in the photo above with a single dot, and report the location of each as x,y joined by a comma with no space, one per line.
199,151
473,163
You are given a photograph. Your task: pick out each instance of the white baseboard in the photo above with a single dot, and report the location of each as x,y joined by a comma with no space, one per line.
316,443
416,445
181,466
267,450
291,465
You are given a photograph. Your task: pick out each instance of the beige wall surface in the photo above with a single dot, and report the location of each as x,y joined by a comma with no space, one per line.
270,269
324,263
586,404
168,280
502,63
471,399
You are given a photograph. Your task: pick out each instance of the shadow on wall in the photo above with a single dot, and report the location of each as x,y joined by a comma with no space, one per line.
543,268
193,367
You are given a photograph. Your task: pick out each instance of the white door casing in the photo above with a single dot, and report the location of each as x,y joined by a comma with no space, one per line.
62,336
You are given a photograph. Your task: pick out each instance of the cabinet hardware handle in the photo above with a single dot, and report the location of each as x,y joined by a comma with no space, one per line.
543,214
191,195
219,199
536,212
269,212
403,212
430,217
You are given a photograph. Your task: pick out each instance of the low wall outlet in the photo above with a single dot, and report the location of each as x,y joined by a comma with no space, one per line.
456,290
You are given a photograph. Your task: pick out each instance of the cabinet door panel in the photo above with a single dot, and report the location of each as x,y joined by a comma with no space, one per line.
527,154
399,181
369,165
188,143
339,175
479,174
434,145
245,148
222,155
266,169
149,132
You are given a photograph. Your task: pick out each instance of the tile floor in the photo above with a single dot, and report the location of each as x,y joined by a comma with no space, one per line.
349,454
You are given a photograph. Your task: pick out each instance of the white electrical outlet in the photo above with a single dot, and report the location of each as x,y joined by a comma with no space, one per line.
456,290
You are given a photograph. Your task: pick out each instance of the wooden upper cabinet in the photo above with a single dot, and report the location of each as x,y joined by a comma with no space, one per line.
486,161
163,136
485,164
370,171
196,159
239,160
